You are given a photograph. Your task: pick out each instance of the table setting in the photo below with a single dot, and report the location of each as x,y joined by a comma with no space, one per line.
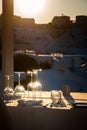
47,99
34,96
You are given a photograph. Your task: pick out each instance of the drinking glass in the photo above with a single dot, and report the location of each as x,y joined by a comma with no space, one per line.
55,97
8,91
19,89
35,86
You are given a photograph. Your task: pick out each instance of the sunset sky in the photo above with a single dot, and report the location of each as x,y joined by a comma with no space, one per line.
43,11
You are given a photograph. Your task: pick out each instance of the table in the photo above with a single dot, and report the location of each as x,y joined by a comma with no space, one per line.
44,100
45,118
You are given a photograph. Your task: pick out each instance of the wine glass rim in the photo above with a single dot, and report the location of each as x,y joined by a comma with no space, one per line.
54,90
21,72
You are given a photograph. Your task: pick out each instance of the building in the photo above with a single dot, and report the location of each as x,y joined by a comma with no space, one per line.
81,21
61,21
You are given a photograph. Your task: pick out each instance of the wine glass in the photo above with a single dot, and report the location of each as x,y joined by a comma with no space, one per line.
35,86
8,91
19,89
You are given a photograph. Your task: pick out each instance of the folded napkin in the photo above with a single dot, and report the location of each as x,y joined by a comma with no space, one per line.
31,103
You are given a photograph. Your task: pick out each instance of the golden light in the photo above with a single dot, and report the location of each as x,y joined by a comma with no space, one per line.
30,8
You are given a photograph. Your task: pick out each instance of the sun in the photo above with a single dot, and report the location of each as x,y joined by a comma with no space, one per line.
30,7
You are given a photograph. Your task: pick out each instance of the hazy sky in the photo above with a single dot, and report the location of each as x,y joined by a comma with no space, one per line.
54,8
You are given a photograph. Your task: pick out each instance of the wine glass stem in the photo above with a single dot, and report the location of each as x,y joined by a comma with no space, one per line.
31,76
7,81
19,79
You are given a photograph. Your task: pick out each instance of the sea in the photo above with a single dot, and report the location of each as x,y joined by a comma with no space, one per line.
71,70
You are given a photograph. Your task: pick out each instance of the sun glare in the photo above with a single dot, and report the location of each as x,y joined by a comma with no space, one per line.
30,7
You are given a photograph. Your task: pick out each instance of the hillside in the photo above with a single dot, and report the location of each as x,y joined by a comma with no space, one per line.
47,38
50,40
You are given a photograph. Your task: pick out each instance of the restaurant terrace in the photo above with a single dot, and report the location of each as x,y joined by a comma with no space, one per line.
31,112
